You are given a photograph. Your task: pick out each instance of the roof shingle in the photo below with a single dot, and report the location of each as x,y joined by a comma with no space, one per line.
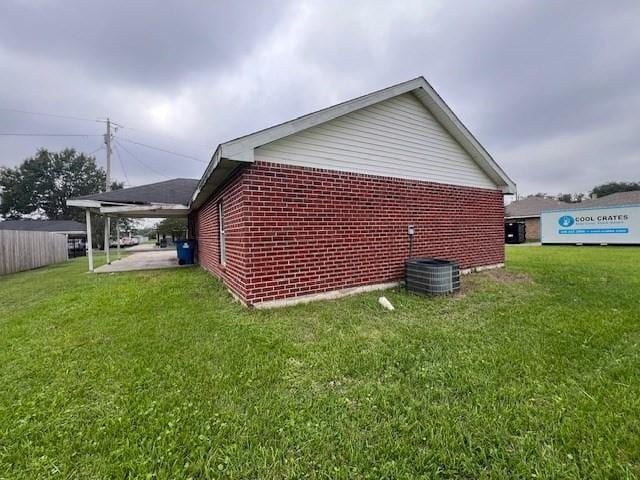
532,206
176,191
615,199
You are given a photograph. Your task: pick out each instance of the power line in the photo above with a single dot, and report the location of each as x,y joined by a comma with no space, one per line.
164,135
140,161
163,150
98,120
124,171
20,134
43,114
96,150
102,120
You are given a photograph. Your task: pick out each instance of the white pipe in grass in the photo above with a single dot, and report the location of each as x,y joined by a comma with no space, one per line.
386,303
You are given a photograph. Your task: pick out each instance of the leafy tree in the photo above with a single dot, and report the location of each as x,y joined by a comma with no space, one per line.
176,226
570,197
43,183
614,187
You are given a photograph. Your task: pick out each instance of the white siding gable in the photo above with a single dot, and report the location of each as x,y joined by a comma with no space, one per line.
398,137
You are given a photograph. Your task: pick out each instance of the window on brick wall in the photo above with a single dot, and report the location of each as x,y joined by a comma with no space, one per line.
221,231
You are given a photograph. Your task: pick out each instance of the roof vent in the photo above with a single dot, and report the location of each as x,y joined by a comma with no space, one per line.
432,276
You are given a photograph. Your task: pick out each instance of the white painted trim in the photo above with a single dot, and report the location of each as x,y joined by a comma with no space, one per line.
172,208
83,203
456,128
73,232
118,237
213,164
89,240
332,295
107,239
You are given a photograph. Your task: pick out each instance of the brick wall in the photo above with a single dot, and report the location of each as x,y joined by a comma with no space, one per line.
298,231
532,228
205,222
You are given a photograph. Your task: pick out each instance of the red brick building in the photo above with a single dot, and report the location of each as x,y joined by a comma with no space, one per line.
321,205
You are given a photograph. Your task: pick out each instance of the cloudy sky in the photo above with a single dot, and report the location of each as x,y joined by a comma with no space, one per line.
551,89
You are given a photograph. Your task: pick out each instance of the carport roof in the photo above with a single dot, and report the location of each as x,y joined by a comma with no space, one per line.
177,191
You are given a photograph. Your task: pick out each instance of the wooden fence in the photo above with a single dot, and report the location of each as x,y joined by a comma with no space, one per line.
21,250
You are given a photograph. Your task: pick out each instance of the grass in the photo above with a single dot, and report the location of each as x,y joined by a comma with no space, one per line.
530,373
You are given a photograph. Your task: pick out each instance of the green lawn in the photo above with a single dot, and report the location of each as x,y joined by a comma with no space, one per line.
529,373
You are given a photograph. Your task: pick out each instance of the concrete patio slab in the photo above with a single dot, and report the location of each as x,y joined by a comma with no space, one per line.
148,247
149,260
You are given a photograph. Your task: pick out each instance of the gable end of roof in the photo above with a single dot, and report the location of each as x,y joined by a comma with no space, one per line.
234,153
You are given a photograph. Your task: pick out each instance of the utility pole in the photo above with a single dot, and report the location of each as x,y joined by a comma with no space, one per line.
107,223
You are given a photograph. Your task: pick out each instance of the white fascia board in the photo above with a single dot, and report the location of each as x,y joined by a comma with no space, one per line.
84,203
213,163
219,170
436,105
157,207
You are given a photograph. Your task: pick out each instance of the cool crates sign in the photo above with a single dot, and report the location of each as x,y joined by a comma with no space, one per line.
592,225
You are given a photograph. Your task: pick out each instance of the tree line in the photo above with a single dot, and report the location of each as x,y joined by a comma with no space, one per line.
40,186
597,191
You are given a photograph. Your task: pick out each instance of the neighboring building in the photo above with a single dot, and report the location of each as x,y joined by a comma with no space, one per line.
527,210
321,205
67,227
613,200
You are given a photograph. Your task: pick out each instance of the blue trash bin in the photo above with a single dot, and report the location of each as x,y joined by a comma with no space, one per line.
186,251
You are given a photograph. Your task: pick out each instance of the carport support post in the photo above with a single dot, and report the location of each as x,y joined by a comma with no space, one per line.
89,241
118,236
107,240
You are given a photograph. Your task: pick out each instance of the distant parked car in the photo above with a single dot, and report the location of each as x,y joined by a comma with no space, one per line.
125,242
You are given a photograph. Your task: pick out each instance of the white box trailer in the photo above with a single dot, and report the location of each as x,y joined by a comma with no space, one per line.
619,225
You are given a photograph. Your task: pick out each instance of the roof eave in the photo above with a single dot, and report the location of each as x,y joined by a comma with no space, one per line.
225,169
145,211
83,203
450,121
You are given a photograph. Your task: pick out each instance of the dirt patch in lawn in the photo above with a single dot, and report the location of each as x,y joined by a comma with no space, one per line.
502,275
472,281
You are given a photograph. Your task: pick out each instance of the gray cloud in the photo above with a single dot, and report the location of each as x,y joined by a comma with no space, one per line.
144,41
551,89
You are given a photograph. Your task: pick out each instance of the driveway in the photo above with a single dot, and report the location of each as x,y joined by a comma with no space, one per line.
145,260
